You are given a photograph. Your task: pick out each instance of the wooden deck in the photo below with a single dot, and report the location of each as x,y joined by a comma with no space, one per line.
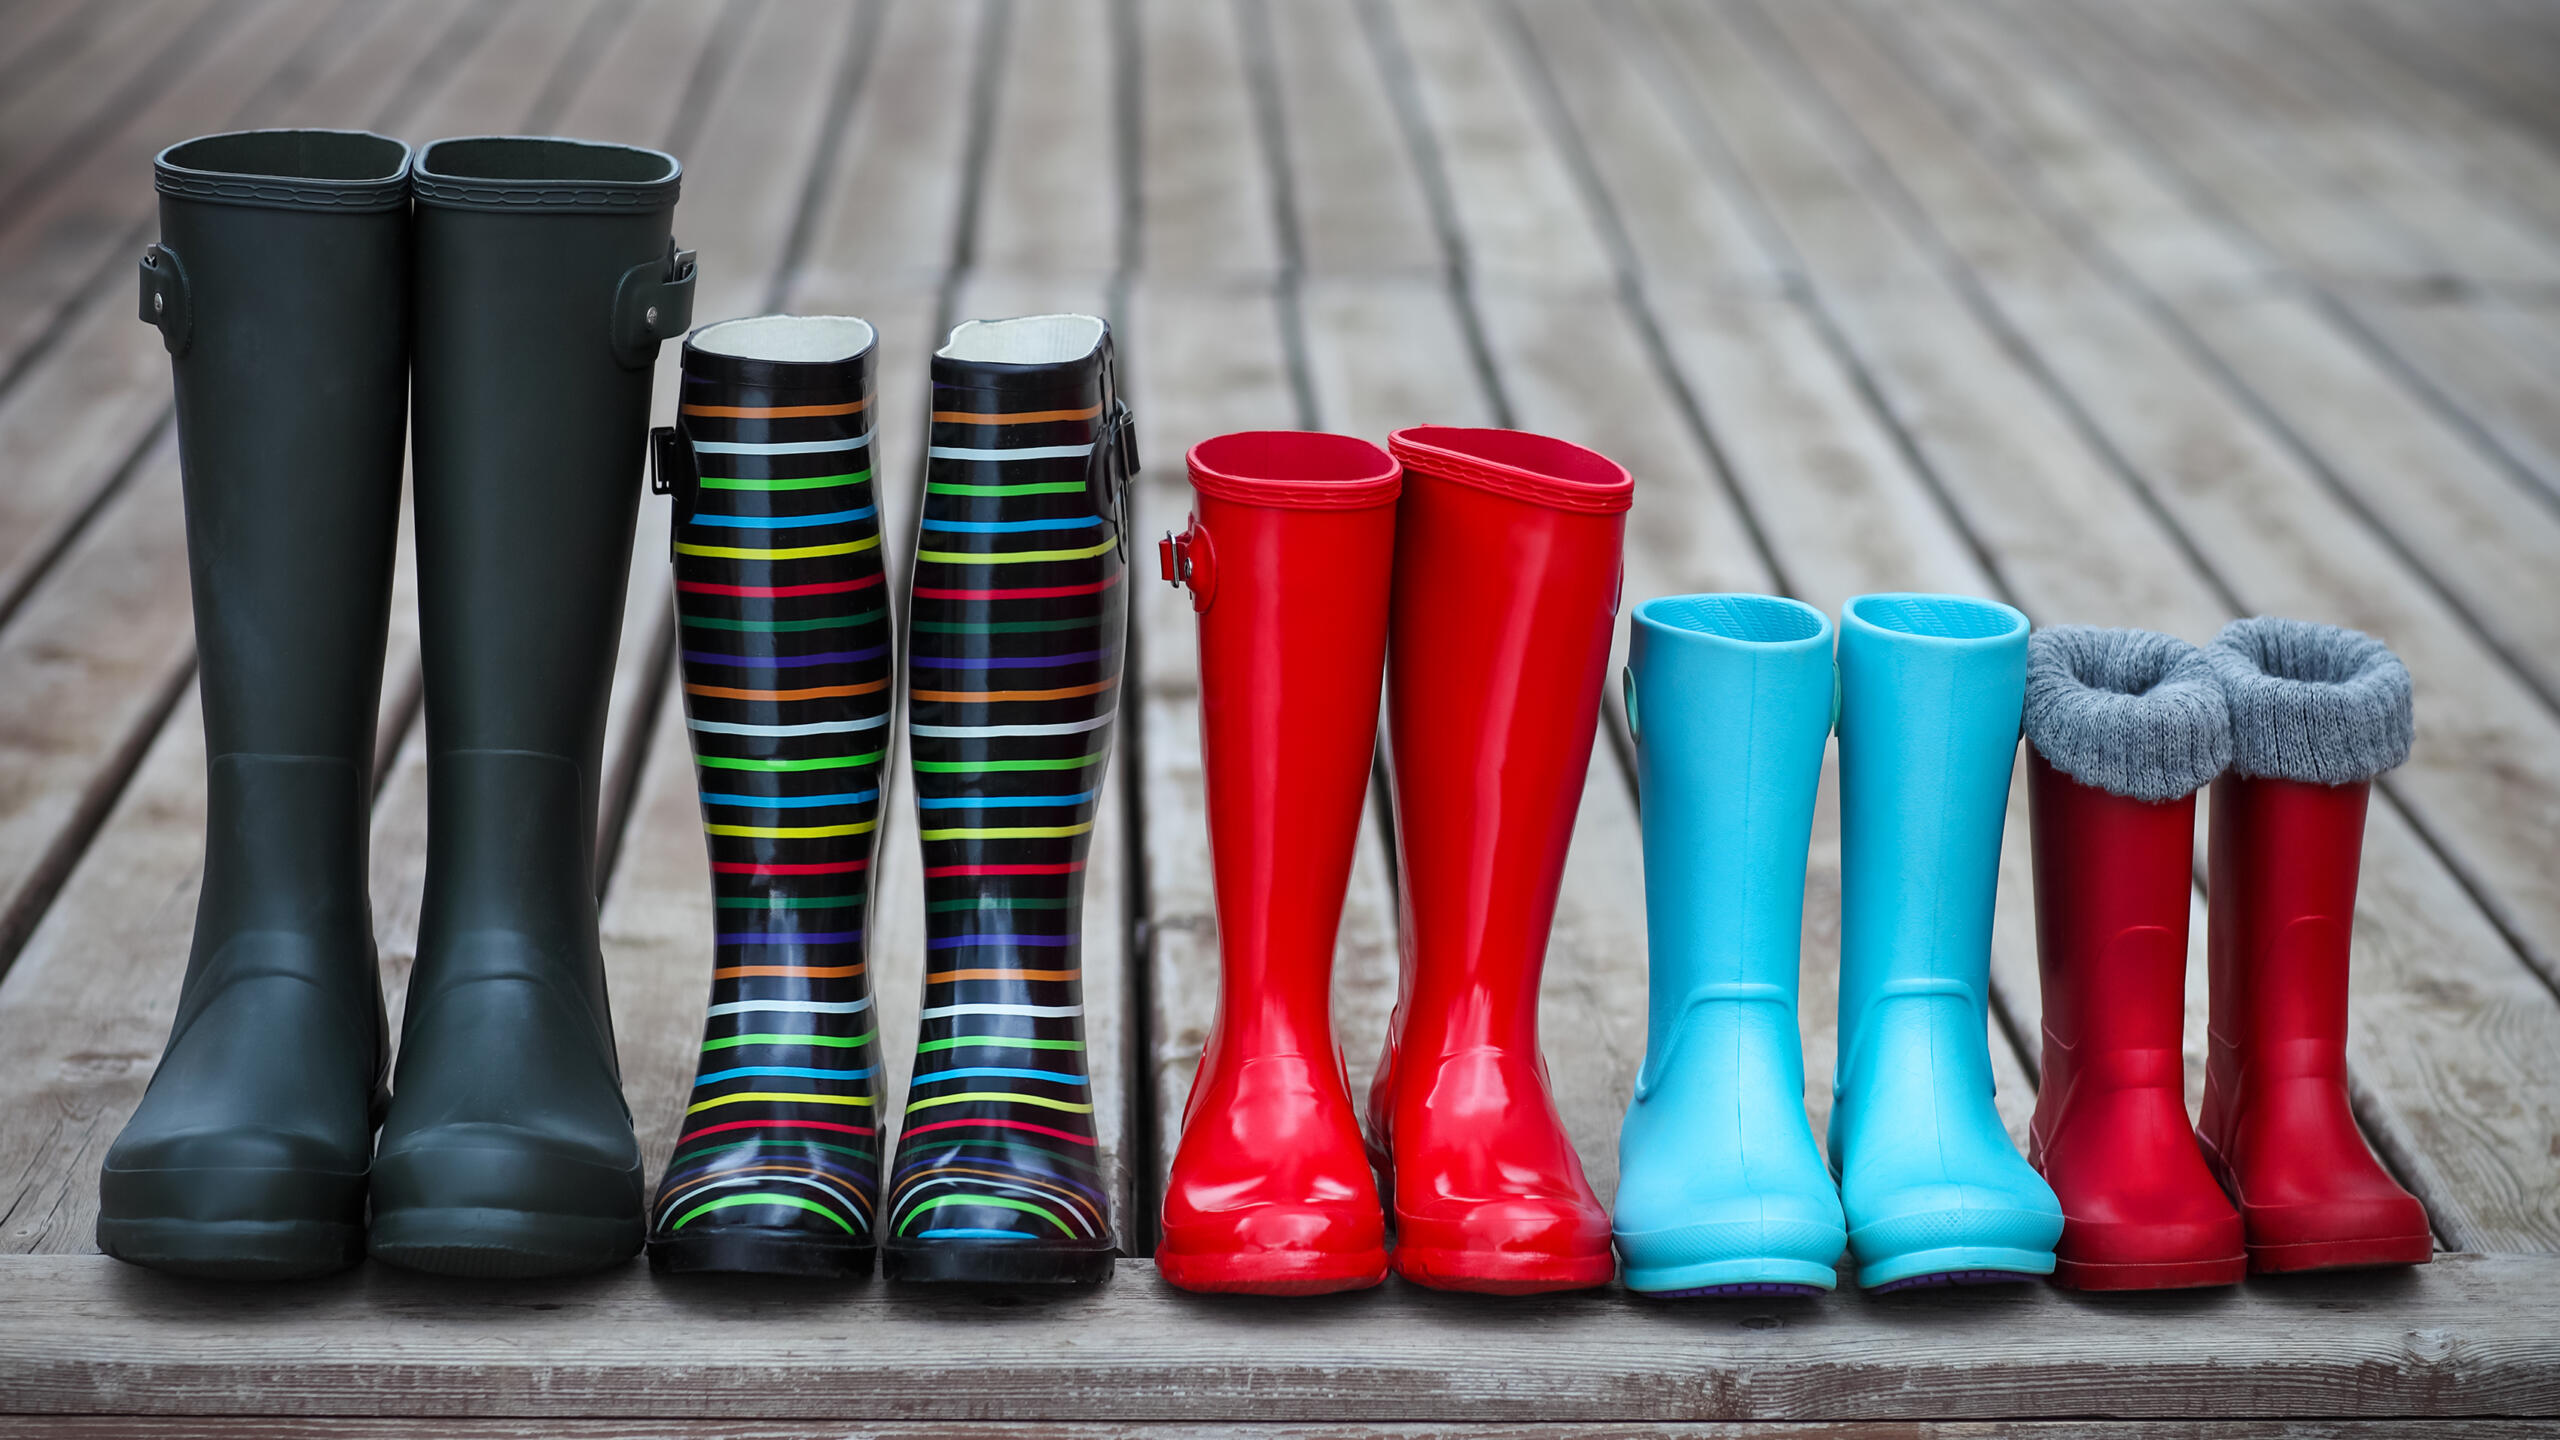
2146,314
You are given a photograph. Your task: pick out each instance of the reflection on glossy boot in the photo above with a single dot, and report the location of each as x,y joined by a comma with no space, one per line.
784,636
1505,597
1014,651
1287,561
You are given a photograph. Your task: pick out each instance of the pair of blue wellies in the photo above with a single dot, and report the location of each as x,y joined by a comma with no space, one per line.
1721,1188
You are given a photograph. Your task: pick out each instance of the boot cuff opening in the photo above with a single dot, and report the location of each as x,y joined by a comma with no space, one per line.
1539,469
1295,470
1024,340
787,339
1759,621
1944,619
329,170
2132,712
546,175
2311,702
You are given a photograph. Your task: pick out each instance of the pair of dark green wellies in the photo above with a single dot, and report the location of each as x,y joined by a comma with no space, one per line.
306,284
1016,616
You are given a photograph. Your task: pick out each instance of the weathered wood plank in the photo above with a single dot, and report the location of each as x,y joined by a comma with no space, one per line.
274,1427
1358,200
1052,202
2466,1336
2378,155
1206,204
1515,220
2496,365
896,200
48,127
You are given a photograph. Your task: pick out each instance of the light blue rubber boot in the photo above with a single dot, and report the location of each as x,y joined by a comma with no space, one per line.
1721,1190
1930,691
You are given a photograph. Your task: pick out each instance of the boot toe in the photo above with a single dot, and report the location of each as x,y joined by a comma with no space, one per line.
493,1201
1276,1250
2338,1234
1516,1245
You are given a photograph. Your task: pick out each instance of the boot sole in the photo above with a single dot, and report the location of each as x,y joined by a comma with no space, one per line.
234,1249
2361,1254
1770,1275
2155,1275
1956,1265
478,1244
1488,1273
1002,1263
742,1250
1272,1273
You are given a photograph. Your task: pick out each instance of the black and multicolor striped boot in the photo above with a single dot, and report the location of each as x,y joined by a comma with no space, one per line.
1014,652
785,640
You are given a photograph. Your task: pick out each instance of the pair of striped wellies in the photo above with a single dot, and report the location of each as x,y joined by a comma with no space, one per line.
1016,620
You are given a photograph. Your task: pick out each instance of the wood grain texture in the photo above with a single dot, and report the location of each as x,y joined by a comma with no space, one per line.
288,1428
2469,1335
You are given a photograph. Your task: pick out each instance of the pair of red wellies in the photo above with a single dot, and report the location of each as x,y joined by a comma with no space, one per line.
2288,723
1490,558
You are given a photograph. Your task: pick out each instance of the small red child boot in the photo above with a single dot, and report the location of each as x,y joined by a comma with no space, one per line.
1287,559
1506,589
2123,727
2316,713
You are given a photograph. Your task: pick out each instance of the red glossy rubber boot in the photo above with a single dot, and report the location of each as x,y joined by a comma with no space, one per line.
2316,713
2123,727
1287,559
1506,587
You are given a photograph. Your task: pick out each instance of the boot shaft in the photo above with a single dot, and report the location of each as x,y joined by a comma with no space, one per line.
2284,858
1507,575
281,288
545,280
1288,558
1731,699
2113,880
1931,687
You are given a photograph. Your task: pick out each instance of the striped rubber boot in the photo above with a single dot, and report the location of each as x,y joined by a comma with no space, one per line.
1014,648
785,638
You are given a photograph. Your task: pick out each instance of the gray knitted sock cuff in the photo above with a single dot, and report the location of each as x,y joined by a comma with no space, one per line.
2317,703
2132,712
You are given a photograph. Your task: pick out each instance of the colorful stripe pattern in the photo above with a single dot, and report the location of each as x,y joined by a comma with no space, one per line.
785,638
1014,653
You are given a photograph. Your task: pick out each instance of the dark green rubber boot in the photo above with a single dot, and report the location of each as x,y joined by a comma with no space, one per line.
546,280
281,288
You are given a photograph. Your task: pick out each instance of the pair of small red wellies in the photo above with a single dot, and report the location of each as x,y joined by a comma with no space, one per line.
1490,558
2289,723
